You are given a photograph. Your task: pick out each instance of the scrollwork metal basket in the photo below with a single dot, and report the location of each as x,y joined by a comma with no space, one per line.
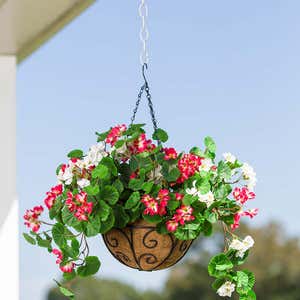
139,246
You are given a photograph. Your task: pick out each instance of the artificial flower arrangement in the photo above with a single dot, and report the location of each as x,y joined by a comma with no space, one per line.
126,177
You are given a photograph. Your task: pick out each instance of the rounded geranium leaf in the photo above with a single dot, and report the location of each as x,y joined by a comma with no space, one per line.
58,233
219,265
91,267
160,135
77,153
133,200
110,194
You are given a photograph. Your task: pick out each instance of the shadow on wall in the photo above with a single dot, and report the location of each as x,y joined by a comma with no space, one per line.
274,261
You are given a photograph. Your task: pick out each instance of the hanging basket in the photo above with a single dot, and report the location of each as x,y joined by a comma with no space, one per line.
140,246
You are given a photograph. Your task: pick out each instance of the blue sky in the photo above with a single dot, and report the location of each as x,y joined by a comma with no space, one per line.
228,69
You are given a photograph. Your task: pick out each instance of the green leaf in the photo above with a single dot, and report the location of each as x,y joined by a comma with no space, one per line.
69,276
118,185
108,224
133,200
121,217
188,199
222,191
147,187
242,283
119,144
203,186
219,265
224,171
160,135
43,243
207,228
110,194
93,226
65,291
100,171
210,144
102,136
173,204
250,296
173,175
91,267
136,184
69,252
92,190
77,153
58,169
152,219
197,151
55,209
212,217
58,234
68,218
161,228
29,239
251,279
186,232
109,163
218,283
104,210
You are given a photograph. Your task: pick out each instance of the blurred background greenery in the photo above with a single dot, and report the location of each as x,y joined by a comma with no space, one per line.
275,260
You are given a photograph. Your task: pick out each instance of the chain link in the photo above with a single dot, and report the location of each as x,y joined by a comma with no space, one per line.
137,104
144,58
144,33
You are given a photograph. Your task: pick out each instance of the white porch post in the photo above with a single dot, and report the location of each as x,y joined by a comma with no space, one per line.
8,200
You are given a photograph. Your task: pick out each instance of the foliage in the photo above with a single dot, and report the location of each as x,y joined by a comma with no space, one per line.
277,273
126,177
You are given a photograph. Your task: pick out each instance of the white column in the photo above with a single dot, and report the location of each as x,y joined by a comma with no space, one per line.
8,203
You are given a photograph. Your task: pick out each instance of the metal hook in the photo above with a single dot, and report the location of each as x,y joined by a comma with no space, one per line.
145,67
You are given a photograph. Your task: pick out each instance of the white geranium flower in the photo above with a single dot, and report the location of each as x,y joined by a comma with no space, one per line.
229,157
192,191
248,242
95,154
226,289
66,176
82,183
207,198
250,175
242,246
206,165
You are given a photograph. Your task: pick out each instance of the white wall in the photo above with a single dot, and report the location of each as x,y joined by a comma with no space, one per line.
7,133
8,225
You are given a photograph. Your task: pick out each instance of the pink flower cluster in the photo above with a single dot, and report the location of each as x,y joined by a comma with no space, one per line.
242,195
68,267
115,133
188,165
31,218
183,214
141,144
79,206
170,153
156,206
52,195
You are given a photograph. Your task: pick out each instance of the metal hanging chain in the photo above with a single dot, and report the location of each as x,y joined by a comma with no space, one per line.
145,87
144,59
137,103
144,33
